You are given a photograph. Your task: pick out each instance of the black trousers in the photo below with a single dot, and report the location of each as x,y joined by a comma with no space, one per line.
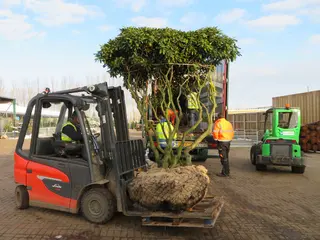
224,149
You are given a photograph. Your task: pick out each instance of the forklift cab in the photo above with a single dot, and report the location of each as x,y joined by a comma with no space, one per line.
282,123
279,145
64,176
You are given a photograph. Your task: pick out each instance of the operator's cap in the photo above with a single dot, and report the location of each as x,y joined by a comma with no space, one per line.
74,114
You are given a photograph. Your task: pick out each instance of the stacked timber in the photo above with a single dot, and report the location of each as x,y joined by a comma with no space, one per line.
310,137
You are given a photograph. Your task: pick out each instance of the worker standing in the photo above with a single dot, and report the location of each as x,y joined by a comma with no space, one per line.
172,115
223,133
193,108
163,130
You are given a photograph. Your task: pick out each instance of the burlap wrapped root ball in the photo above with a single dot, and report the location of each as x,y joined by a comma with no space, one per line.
170,189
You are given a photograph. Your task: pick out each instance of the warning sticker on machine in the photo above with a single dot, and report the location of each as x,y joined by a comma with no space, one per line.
288,133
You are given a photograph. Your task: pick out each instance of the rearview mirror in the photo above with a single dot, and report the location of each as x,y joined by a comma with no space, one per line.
85,107
46,105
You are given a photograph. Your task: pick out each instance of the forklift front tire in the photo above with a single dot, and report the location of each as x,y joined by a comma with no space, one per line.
21,197
296,169
98,205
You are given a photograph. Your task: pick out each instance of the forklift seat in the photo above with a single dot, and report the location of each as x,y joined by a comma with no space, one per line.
65,149
45,146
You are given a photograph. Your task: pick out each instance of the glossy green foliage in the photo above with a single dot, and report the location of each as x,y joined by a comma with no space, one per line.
145,53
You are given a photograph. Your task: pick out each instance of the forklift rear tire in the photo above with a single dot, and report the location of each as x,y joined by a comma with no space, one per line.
261,167
296,169
253,155
98,205
21,197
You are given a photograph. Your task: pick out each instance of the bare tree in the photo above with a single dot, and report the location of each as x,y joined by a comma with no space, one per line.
38,84
53,84
2,88
31,91
64,83
88,81
18,93
13,90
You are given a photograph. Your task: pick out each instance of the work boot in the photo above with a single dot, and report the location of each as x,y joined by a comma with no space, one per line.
226,168
221,175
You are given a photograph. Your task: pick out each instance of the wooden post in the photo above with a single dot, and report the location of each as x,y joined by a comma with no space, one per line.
14,112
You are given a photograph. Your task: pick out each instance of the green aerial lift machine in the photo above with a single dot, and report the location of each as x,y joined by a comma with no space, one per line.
279,145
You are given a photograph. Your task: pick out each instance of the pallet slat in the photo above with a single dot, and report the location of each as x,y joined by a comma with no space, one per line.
200,217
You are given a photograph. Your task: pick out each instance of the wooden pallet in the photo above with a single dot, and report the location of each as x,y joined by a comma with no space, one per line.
202,215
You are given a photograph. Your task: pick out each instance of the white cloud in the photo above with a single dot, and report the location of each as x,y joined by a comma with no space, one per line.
10,3
308,8
312,13
315,39
75,32
248,1
247,41
193,18
135,5
105,28
175,3
58,12
155,22
276,22
230,16
14,26
289,5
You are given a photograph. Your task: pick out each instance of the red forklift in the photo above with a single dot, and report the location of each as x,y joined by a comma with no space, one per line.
90,177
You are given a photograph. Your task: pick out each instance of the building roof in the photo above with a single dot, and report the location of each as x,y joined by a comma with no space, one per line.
296,94
248,110
5,99
7,108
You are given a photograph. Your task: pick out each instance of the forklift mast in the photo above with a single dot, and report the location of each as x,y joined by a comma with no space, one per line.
118,106
125,155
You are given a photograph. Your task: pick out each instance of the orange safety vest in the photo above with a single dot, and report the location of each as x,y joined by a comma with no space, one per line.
172,115
223,130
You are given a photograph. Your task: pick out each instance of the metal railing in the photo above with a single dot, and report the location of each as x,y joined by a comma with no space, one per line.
252,135
246,138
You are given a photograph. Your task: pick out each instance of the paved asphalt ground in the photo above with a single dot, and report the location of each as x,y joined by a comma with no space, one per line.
276,204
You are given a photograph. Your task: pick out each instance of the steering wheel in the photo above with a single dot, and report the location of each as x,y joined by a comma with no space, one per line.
96,135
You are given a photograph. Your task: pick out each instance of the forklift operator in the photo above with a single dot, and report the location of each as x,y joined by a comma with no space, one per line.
71,131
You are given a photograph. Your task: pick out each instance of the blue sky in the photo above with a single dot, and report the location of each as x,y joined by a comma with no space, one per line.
52,39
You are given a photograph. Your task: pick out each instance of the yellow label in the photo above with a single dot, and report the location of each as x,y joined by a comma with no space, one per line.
186,144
